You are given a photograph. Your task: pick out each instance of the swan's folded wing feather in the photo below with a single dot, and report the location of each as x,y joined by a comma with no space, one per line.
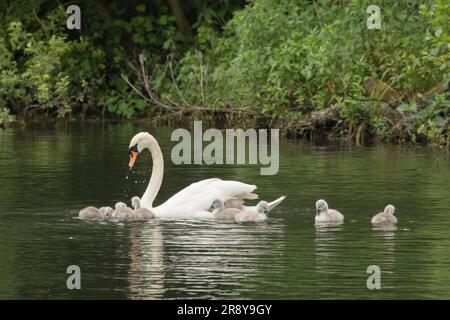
200,195
181,196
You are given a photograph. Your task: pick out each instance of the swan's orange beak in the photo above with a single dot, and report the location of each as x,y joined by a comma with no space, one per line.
133,157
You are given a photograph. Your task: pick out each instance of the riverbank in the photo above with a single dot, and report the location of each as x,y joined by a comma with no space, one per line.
304,67
324,124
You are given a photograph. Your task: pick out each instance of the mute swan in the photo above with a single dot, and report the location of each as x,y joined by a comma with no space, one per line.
385,217
221,212
262,210
323,214
94,213
194,200
121,211
140,213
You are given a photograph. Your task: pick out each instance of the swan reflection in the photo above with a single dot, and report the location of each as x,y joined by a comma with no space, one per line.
146,273
325,243
200,258
384,252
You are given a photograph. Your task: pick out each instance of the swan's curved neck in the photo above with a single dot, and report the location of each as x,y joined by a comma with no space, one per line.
157,172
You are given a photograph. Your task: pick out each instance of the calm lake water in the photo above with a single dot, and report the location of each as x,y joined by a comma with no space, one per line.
47,175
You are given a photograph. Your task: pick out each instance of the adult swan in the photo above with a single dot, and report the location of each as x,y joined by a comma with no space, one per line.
194,200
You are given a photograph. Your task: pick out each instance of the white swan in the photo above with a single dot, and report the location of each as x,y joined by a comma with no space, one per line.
262,210
323,214
387,216
194,200
94,213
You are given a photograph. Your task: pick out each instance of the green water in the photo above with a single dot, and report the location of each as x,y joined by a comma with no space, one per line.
47,175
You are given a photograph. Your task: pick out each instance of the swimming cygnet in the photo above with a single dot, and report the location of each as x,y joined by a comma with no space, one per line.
262,210
122,211
323,214
94,213
221,212
386,217
140,213
234,203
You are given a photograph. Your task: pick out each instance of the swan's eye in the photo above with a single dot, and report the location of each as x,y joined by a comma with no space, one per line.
133,148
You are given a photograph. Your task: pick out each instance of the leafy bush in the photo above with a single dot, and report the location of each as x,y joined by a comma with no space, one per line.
284,59
39,71
5,117
289,58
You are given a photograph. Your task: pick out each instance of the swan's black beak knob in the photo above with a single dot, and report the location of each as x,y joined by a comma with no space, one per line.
133,153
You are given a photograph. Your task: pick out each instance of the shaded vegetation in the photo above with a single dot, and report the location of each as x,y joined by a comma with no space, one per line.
305,66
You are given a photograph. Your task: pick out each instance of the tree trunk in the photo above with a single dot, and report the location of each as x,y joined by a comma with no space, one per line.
102,11
178,12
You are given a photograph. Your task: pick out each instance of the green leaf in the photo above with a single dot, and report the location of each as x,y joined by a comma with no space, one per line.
140,8
140,104
439,121
167,44
405,107
162,20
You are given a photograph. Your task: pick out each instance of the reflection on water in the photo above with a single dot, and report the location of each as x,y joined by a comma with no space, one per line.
386,235
54,173
200,255
146,273
326,241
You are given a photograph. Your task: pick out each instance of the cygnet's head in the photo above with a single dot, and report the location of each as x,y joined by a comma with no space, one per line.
136,202
106,211
390,209
217,204
262,207
321,206
120,205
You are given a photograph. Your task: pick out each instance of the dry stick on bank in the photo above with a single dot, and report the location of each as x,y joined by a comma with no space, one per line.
152,96
327,120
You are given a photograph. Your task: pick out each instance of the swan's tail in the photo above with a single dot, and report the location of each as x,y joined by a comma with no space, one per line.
276,202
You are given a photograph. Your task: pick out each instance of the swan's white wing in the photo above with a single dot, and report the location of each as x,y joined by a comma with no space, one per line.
199,196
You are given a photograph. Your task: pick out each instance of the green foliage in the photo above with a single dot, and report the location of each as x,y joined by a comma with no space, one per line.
5,117
46,68
433,120
294,57
283,59
41,71
126,107
438,35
